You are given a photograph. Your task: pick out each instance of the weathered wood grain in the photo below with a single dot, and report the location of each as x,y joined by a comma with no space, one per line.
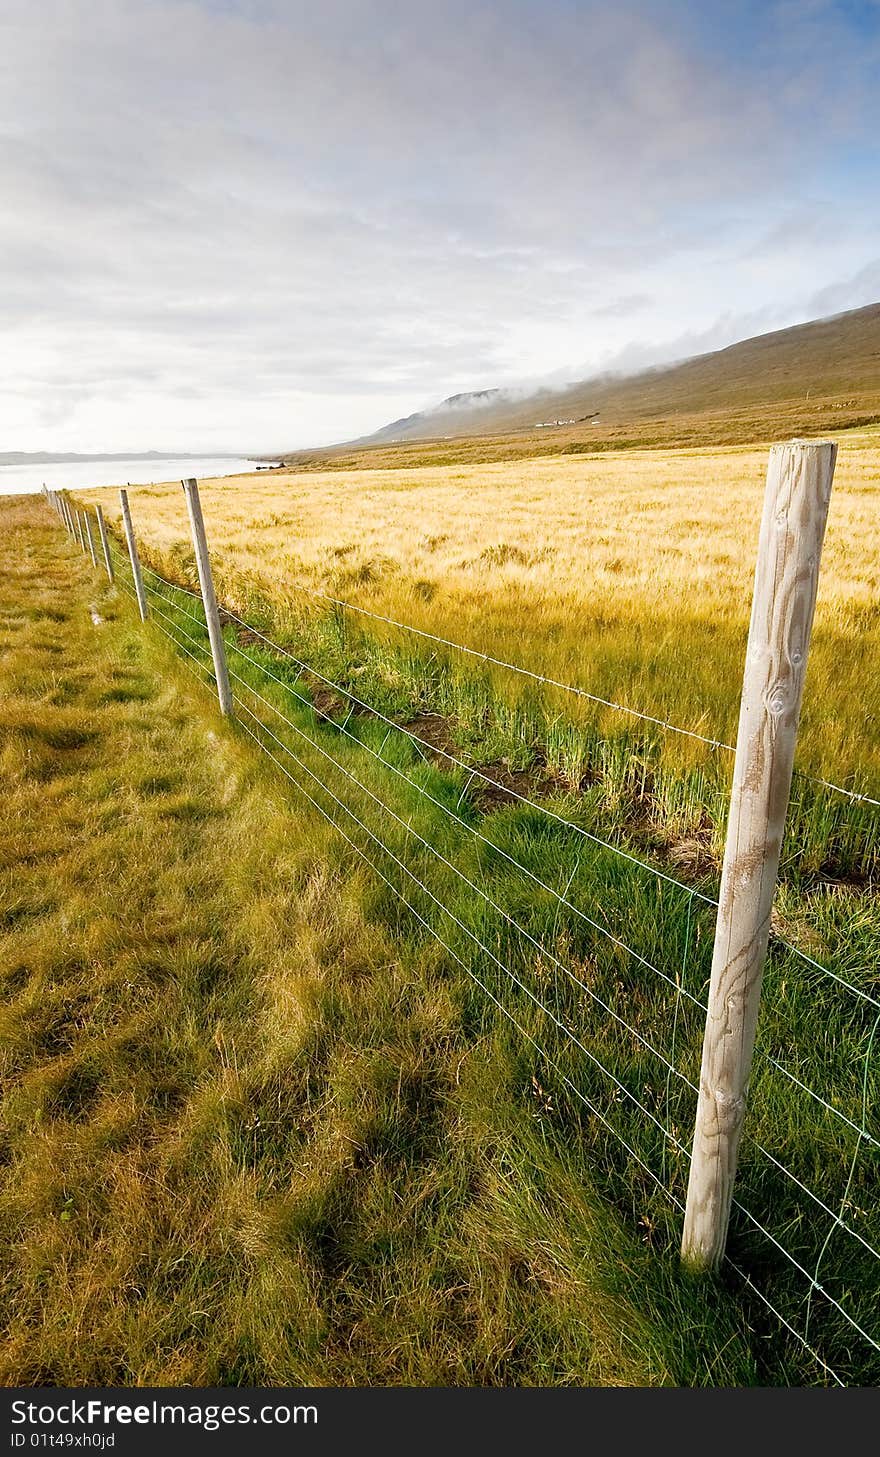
87,522
209,600
105,545
799,478
133,556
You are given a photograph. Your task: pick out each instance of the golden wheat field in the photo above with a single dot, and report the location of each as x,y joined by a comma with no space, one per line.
628,574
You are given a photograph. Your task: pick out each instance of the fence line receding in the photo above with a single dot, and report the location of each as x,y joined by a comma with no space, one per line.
597,959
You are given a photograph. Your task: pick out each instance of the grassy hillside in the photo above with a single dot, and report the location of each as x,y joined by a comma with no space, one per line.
815,377
256,1130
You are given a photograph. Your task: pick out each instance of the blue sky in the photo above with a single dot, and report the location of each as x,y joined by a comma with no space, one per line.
258,225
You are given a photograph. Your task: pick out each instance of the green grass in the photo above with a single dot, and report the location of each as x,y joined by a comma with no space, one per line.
257,1127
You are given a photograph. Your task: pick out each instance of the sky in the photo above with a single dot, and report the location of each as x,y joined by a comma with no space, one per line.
252,225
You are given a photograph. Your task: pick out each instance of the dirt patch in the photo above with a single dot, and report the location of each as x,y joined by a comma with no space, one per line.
492,785
243,635
327,702
434,731
508,785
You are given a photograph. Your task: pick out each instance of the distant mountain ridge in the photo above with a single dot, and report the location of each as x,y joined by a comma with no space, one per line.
43,457
833,363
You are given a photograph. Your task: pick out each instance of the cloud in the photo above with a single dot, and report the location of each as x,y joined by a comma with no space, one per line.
850,293
234,225
623,308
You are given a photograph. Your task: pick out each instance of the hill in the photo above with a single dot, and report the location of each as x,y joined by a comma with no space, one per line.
836,359
804,380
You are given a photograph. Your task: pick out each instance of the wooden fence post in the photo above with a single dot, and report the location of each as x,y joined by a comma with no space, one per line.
133,556
105,545
68,518
209,600
799,477
79,530
87,521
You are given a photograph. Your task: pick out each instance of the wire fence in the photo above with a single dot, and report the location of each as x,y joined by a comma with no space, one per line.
597,961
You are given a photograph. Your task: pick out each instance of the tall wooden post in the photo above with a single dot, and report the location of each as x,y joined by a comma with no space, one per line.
105,545
79,530
799,478
133,556
87,521
68,516
209,600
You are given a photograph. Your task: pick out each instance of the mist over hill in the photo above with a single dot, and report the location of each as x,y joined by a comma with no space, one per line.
828,368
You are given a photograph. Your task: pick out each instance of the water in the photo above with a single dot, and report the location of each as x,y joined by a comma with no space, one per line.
82,475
